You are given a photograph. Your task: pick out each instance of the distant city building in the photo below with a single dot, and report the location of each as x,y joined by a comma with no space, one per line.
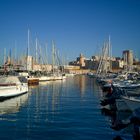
95,58
80,61
118,64
91,64
42,67
128,57
110,64
29,62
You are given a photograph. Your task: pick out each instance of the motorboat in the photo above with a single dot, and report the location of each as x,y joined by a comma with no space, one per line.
11,86
132,102
127,85
32,80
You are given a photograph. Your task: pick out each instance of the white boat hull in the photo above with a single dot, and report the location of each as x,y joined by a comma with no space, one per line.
10,91
51,78
44,78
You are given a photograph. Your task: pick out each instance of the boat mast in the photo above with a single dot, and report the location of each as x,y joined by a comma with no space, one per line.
28,44
36,44
53,56
110,53
4,60
46,54
15,56
105,56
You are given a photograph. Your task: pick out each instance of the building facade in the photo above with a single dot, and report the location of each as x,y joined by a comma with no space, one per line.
128,57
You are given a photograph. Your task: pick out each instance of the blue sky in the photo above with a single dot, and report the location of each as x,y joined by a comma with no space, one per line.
76,26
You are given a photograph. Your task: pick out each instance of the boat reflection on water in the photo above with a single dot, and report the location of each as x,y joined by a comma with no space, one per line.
116,116
127,123
12,105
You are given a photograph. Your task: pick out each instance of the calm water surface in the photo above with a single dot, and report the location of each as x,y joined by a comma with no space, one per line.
60,110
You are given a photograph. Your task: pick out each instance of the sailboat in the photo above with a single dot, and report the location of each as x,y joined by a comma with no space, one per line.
31,79
42,76
56,75
105,60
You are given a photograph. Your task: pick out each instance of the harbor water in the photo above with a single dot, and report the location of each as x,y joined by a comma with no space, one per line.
58,110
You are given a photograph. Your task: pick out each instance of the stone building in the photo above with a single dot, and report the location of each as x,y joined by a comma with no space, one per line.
91,64
81,60
29,63
128,57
